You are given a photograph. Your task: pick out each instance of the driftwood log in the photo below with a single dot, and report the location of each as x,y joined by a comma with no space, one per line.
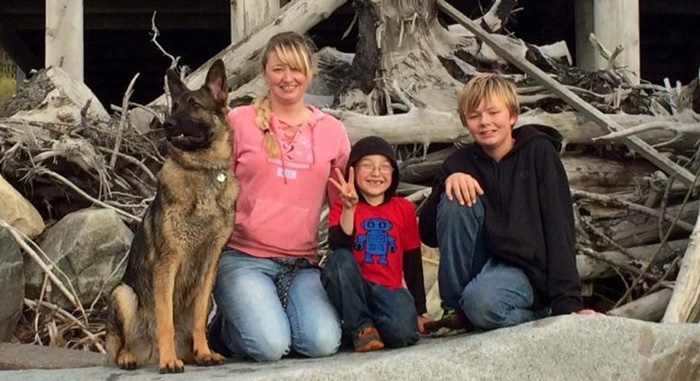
590,268
647,308
426,126
684,306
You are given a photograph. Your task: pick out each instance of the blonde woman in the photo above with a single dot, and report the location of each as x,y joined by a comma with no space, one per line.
268,288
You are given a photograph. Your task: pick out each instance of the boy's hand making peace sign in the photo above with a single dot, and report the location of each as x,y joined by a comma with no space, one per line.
348,195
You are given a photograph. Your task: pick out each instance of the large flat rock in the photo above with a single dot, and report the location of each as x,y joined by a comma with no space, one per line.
25,356
561,348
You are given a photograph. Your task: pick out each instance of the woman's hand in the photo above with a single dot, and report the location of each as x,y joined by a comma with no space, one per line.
422,319
463,187
348,195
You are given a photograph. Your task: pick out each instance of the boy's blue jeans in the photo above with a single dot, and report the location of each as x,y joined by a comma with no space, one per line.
361,302
255,324
491,293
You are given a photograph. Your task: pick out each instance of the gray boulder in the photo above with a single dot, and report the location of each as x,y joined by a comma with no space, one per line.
11,284
87,246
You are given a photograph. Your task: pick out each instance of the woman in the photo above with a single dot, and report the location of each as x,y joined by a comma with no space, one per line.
269,294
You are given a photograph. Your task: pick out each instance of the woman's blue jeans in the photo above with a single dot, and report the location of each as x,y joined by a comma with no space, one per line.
492,293
256,325
361,302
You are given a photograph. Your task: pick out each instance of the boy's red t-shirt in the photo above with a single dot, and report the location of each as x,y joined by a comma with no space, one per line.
381,236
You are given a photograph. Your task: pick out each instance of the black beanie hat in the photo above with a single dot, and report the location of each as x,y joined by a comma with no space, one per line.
374,145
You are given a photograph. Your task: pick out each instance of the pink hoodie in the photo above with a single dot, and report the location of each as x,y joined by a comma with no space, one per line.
279,204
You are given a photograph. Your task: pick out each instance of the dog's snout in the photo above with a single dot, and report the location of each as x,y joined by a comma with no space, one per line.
168,124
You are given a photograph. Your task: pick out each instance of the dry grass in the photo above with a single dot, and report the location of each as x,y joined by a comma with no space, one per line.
7,88
7,79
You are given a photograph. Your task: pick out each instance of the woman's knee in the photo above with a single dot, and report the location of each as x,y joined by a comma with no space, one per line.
322,342
261,345
269,349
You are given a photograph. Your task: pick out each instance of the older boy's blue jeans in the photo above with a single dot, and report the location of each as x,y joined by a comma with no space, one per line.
491,293
361,302
255,325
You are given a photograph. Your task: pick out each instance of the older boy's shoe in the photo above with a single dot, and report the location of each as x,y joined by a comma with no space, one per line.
452,320
367,339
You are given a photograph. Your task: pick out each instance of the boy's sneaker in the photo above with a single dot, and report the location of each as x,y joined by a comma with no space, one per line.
367,339
452,320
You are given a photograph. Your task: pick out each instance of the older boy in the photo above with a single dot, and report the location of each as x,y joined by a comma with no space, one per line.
500,212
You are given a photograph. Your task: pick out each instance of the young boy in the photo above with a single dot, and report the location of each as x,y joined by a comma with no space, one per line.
501,214
375,243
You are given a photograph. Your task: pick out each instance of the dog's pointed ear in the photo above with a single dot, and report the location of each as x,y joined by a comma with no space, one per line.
216,82
175,84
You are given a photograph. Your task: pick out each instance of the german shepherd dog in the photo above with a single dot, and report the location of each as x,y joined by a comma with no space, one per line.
158,312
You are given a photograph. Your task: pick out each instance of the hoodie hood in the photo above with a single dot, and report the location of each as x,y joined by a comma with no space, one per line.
374,145
523,136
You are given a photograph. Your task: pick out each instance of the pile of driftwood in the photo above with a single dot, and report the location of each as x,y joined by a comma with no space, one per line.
631,146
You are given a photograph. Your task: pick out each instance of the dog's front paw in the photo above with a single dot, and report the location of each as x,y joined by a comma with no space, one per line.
126,360
208,359
173,365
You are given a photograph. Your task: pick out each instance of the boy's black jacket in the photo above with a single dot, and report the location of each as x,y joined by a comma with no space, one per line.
529,219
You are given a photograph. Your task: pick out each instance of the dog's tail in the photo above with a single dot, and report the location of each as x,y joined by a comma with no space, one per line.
121,311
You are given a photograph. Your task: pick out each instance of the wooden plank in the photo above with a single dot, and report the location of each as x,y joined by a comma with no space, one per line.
632,142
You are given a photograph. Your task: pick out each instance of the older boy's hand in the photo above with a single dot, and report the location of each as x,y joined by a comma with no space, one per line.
463,187
348,195
587,311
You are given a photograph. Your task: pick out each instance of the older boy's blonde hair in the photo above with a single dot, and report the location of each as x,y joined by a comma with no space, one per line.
483,87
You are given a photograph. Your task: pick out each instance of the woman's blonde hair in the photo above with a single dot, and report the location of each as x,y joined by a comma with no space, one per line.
295,50
484,87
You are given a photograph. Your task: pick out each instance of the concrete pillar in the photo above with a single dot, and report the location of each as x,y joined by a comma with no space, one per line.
64,36
246,15
614,22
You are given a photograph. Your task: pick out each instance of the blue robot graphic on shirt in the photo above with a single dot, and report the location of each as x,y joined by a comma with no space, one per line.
376,241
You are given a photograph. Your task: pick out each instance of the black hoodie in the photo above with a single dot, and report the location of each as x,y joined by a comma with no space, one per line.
412,261
529,219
